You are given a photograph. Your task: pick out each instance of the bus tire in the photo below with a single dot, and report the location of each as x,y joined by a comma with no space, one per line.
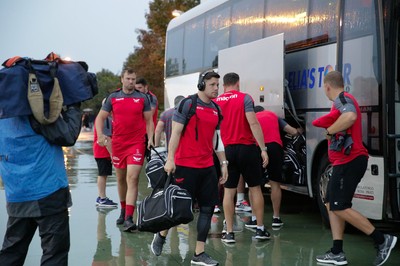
323,175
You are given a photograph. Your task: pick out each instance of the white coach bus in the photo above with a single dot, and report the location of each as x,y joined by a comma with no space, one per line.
282,49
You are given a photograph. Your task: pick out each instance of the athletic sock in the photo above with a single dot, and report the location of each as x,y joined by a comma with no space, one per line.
337,246
239,197
378,237
129,210
261,227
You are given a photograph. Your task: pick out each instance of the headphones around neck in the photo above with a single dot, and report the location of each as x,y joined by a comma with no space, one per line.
201,85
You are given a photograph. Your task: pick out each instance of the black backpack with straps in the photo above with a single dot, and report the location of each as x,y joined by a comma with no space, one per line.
192,111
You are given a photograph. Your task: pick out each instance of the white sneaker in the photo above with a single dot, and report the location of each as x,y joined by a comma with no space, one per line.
217,209
243,206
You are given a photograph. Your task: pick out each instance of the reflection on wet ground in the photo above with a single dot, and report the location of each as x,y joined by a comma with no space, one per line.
96,240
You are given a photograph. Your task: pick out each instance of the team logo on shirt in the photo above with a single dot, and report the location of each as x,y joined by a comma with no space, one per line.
226,98
136,100
179,180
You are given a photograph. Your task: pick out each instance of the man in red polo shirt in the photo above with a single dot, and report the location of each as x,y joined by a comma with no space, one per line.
271,126
132,120
143,87
190,157
240,131
349,166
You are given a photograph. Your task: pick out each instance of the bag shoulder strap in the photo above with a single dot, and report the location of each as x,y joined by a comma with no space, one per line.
192,110
35,98
220,117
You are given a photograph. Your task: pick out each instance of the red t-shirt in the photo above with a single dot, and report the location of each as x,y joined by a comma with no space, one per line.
270,126
234,126
128,124
196,149
345,102
99,151
154,103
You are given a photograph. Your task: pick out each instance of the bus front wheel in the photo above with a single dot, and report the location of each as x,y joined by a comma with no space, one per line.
323,176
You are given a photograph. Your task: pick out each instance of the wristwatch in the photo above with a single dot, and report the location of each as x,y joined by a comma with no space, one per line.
225,162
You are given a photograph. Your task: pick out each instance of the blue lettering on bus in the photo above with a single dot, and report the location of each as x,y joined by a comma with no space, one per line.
303,84
346,73
320,71
313,77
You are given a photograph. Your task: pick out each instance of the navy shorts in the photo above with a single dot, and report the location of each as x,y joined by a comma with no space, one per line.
201,183
104,166
243,160
343,183
275,164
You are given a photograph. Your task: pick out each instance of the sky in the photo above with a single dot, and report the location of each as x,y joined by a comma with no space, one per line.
100,32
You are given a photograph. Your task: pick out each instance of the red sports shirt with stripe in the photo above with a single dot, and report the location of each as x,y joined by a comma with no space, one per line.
234,127
99,151
128,121
269,123
195,147
346,102
154,104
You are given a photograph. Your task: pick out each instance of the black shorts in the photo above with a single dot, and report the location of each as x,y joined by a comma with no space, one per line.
243,160
343,183
201,183
275,164
104,166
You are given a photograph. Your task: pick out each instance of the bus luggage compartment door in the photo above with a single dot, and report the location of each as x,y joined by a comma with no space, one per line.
260,65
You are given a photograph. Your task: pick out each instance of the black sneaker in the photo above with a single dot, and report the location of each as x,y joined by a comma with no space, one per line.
384,249
251,224
276,223
157,244
129,225
228,238
262,234
203,259
105,203
329,257
121,218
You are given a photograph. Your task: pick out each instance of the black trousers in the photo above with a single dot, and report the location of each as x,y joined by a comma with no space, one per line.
54,234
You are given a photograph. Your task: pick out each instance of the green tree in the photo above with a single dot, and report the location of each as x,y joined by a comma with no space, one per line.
148,60
107,82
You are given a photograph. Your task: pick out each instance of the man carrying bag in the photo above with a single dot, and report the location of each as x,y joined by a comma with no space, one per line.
190,157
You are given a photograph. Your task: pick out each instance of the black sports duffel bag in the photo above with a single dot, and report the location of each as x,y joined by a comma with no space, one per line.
164,208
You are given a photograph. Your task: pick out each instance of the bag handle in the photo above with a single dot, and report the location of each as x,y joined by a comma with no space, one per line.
154,149
11,61
35,97
167,177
